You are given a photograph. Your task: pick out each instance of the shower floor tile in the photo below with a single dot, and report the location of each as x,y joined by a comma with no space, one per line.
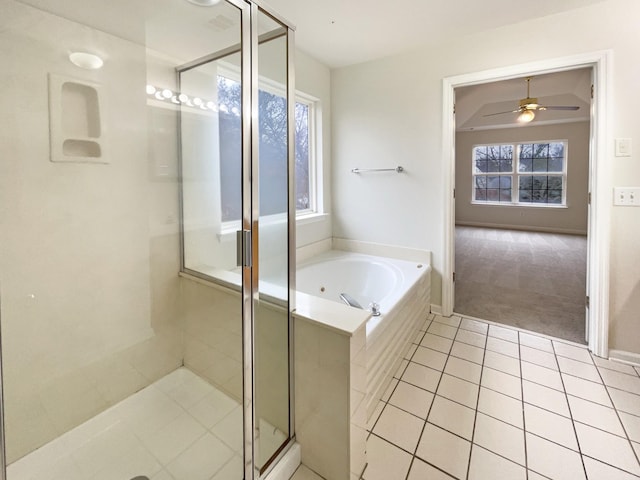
178,428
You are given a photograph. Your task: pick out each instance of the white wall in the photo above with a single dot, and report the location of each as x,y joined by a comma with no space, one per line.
572,219
389,112
314,78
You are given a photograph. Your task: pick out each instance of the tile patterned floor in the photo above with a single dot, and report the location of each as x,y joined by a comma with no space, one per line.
471,400
178,428
478,401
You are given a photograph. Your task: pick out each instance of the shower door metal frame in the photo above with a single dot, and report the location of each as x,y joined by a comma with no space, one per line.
3,448
258,7
248,48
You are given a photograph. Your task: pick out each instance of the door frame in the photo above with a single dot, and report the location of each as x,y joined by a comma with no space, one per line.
599,180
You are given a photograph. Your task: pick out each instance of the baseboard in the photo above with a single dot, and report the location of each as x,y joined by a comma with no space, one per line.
526,228
629,358
437,309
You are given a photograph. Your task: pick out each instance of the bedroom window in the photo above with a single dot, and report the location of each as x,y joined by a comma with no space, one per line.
520,174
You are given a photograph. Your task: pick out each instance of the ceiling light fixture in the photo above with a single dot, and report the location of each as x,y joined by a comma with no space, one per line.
88,61
204,3
526,116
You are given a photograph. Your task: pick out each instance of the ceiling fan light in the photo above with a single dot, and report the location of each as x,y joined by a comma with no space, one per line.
526,116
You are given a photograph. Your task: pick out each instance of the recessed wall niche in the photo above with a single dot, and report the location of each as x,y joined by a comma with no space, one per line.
76,125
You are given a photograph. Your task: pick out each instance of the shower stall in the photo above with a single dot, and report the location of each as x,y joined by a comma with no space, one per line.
146,239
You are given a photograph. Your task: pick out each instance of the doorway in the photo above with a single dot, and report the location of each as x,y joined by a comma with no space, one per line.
522,183
599,181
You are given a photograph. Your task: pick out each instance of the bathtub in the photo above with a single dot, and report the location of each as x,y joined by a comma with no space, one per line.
401,289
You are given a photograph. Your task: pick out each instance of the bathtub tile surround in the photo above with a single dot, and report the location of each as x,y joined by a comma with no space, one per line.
402,290
335,342
330,386
526,406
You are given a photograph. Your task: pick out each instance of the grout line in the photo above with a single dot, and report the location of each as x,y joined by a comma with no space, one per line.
554,442
379,416
432,466
573,423
475,417
523,402
524,420
624,429
612,466
633,375
625,437
430,407
537,473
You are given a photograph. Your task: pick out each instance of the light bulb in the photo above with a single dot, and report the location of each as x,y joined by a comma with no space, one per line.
151,89
526,116
197,101
183,97
166,93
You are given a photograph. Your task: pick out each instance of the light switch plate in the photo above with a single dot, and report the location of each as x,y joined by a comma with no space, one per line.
623,147
626,196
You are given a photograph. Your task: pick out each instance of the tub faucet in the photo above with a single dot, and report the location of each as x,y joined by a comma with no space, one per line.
374,308
349,300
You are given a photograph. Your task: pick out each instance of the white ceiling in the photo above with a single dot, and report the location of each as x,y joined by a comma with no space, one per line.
572,87
336,32
345,32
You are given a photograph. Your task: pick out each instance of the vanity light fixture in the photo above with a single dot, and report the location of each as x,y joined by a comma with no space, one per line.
167,95
85,60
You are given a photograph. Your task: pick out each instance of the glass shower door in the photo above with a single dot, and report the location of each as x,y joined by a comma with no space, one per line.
272,302
213,98
235,203
133,342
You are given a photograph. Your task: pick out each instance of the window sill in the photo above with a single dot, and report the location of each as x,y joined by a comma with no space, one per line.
229,233
306,218
520,205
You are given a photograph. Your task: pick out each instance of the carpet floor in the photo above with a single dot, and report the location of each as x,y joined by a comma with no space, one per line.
530,280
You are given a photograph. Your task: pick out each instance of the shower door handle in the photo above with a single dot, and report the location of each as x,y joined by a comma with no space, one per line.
243,248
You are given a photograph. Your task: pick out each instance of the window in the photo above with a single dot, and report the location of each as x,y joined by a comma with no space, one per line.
520,173
272,114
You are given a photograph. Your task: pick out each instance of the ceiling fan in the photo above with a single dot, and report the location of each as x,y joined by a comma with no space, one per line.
529,105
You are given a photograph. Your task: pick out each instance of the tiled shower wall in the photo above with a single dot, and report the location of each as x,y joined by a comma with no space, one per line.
93,308
89,284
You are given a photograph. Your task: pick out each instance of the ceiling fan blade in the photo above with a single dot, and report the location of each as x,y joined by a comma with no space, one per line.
500,113
557,107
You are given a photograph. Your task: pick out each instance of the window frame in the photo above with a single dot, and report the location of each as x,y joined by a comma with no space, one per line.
516,174
233,73
312,124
